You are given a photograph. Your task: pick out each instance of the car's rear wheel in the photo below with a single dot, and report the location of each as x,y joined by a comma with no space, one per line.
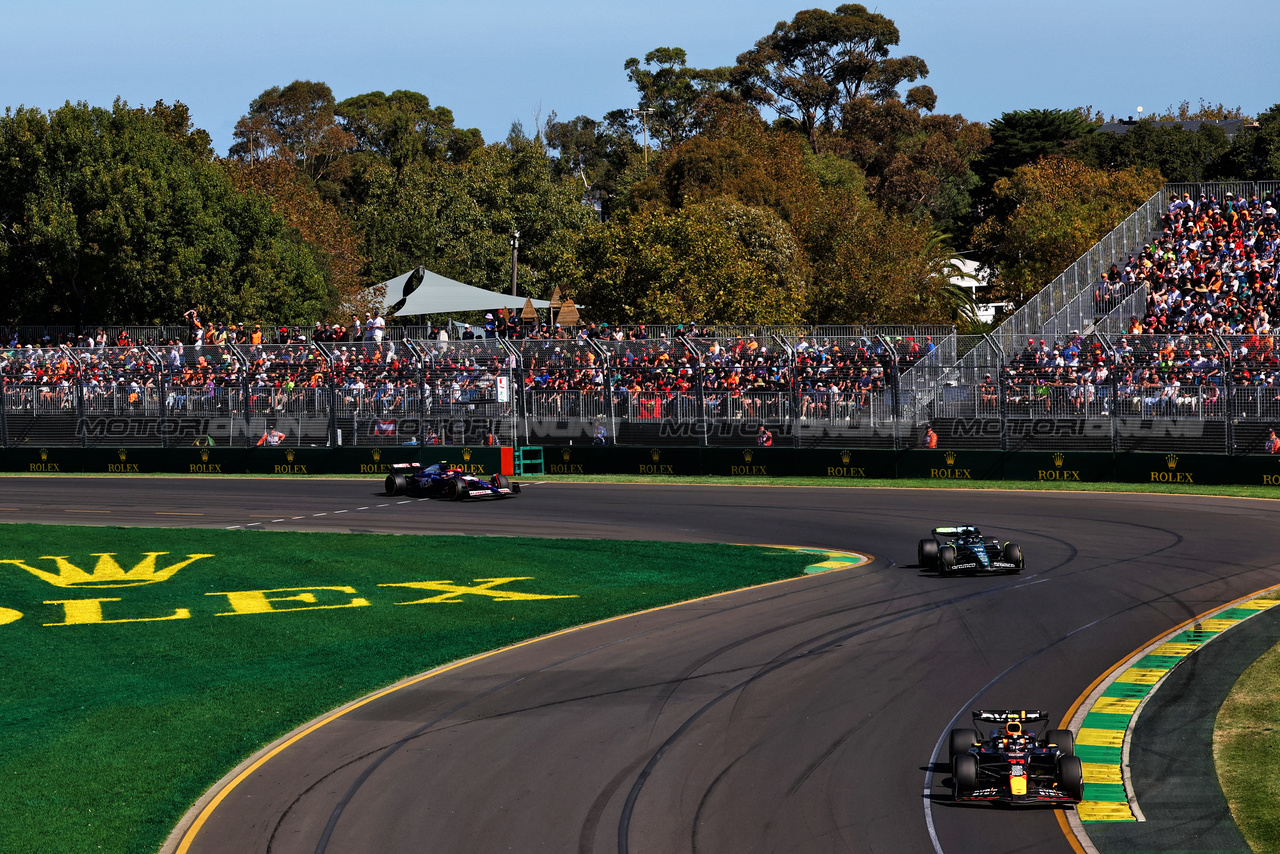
962,740
396,484
964,774
500,481
1013,554
459,489
1064,738
927,553
1071,777
946,559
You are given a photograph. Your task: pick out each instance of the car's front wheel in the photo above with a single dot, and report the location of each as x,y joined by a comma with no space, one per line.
1071,777
500,481
396,484
927,553
946,559
962,740
1064,739
964,774
1013,554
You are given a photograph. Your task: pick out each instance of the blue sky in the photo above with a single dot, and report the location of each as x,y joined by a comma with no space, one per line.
495,61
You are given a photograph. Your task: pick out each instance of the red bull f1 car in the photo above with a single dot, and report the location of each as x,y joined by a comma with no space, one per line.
441,480
1013,765
963,549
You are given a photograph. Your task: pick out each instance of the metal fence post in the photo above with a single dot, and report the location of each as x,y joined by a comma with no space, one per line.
4,408
702,422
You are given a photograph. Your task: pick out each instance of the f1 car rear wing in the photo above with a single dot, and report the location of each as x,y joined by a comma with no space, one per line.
957,530
999,716
405,466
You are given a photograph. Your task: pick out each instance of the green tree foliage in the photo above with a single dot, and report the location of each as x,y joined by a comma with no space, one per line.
1178,154
1254,155
914,163
456,218
403,127
1059,207
807,67
122,216
865,263
603,158
333,238
717,261
1206,111
677,94
1020,137
299,123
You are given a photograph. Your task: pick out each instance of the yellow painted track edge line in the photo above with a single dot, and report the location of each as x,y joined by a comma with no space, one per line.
1072,826
185,832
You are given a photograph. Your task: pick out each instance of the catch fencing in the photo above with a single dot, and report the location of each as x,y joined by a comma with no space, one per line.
1105,392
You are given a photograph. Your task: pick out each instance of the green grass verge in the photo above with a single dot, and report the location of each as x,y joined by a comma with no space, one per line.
112,729
1246,751
1272,492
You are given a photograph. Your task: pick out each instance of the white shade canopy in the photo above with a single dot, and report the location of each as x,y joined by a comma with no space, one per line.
438,295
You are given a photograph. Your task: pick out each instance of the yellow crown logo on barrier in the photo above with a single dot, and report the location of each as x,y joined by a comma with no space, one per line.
564,453
44,454
950,457
654,453
1172,460
845,456
746,455
288,455
1058,460
377,455
107,572
204,455
466,454
123,454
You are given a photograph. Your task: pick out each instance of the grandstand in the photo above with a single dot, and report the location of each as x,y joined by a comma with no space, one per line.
1158,338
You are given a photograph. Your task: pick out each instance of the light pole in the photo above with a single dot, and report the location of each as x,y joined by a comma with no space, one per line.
644,122
515,249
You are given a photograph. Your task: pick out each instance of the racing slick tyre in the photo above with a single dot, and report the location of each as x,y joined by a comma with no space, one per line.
396,484
962,740
1013,554
1071,777
964,774
946,559
1065,740
500,481
927,553
458,490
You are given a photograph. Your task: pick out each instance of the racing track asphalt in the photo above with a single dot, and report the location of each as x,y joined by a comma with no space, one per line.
797,717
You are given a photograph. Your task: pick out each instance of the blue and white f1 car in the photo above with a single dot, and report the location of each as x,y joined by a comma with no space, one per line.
441,480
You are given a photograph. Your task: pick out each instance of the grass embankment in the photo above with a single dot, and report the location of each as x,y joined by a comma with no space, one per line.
1246,751
122,704
1272,492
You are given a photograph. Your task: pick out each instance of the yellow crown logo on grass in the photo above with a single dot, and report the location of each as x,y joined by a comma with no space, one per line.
1058,460
1172,460
565,454
44,454
288,455
747,454
204,455
123,454
654,453
107,573
845,456
377,455
466,454
950,457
